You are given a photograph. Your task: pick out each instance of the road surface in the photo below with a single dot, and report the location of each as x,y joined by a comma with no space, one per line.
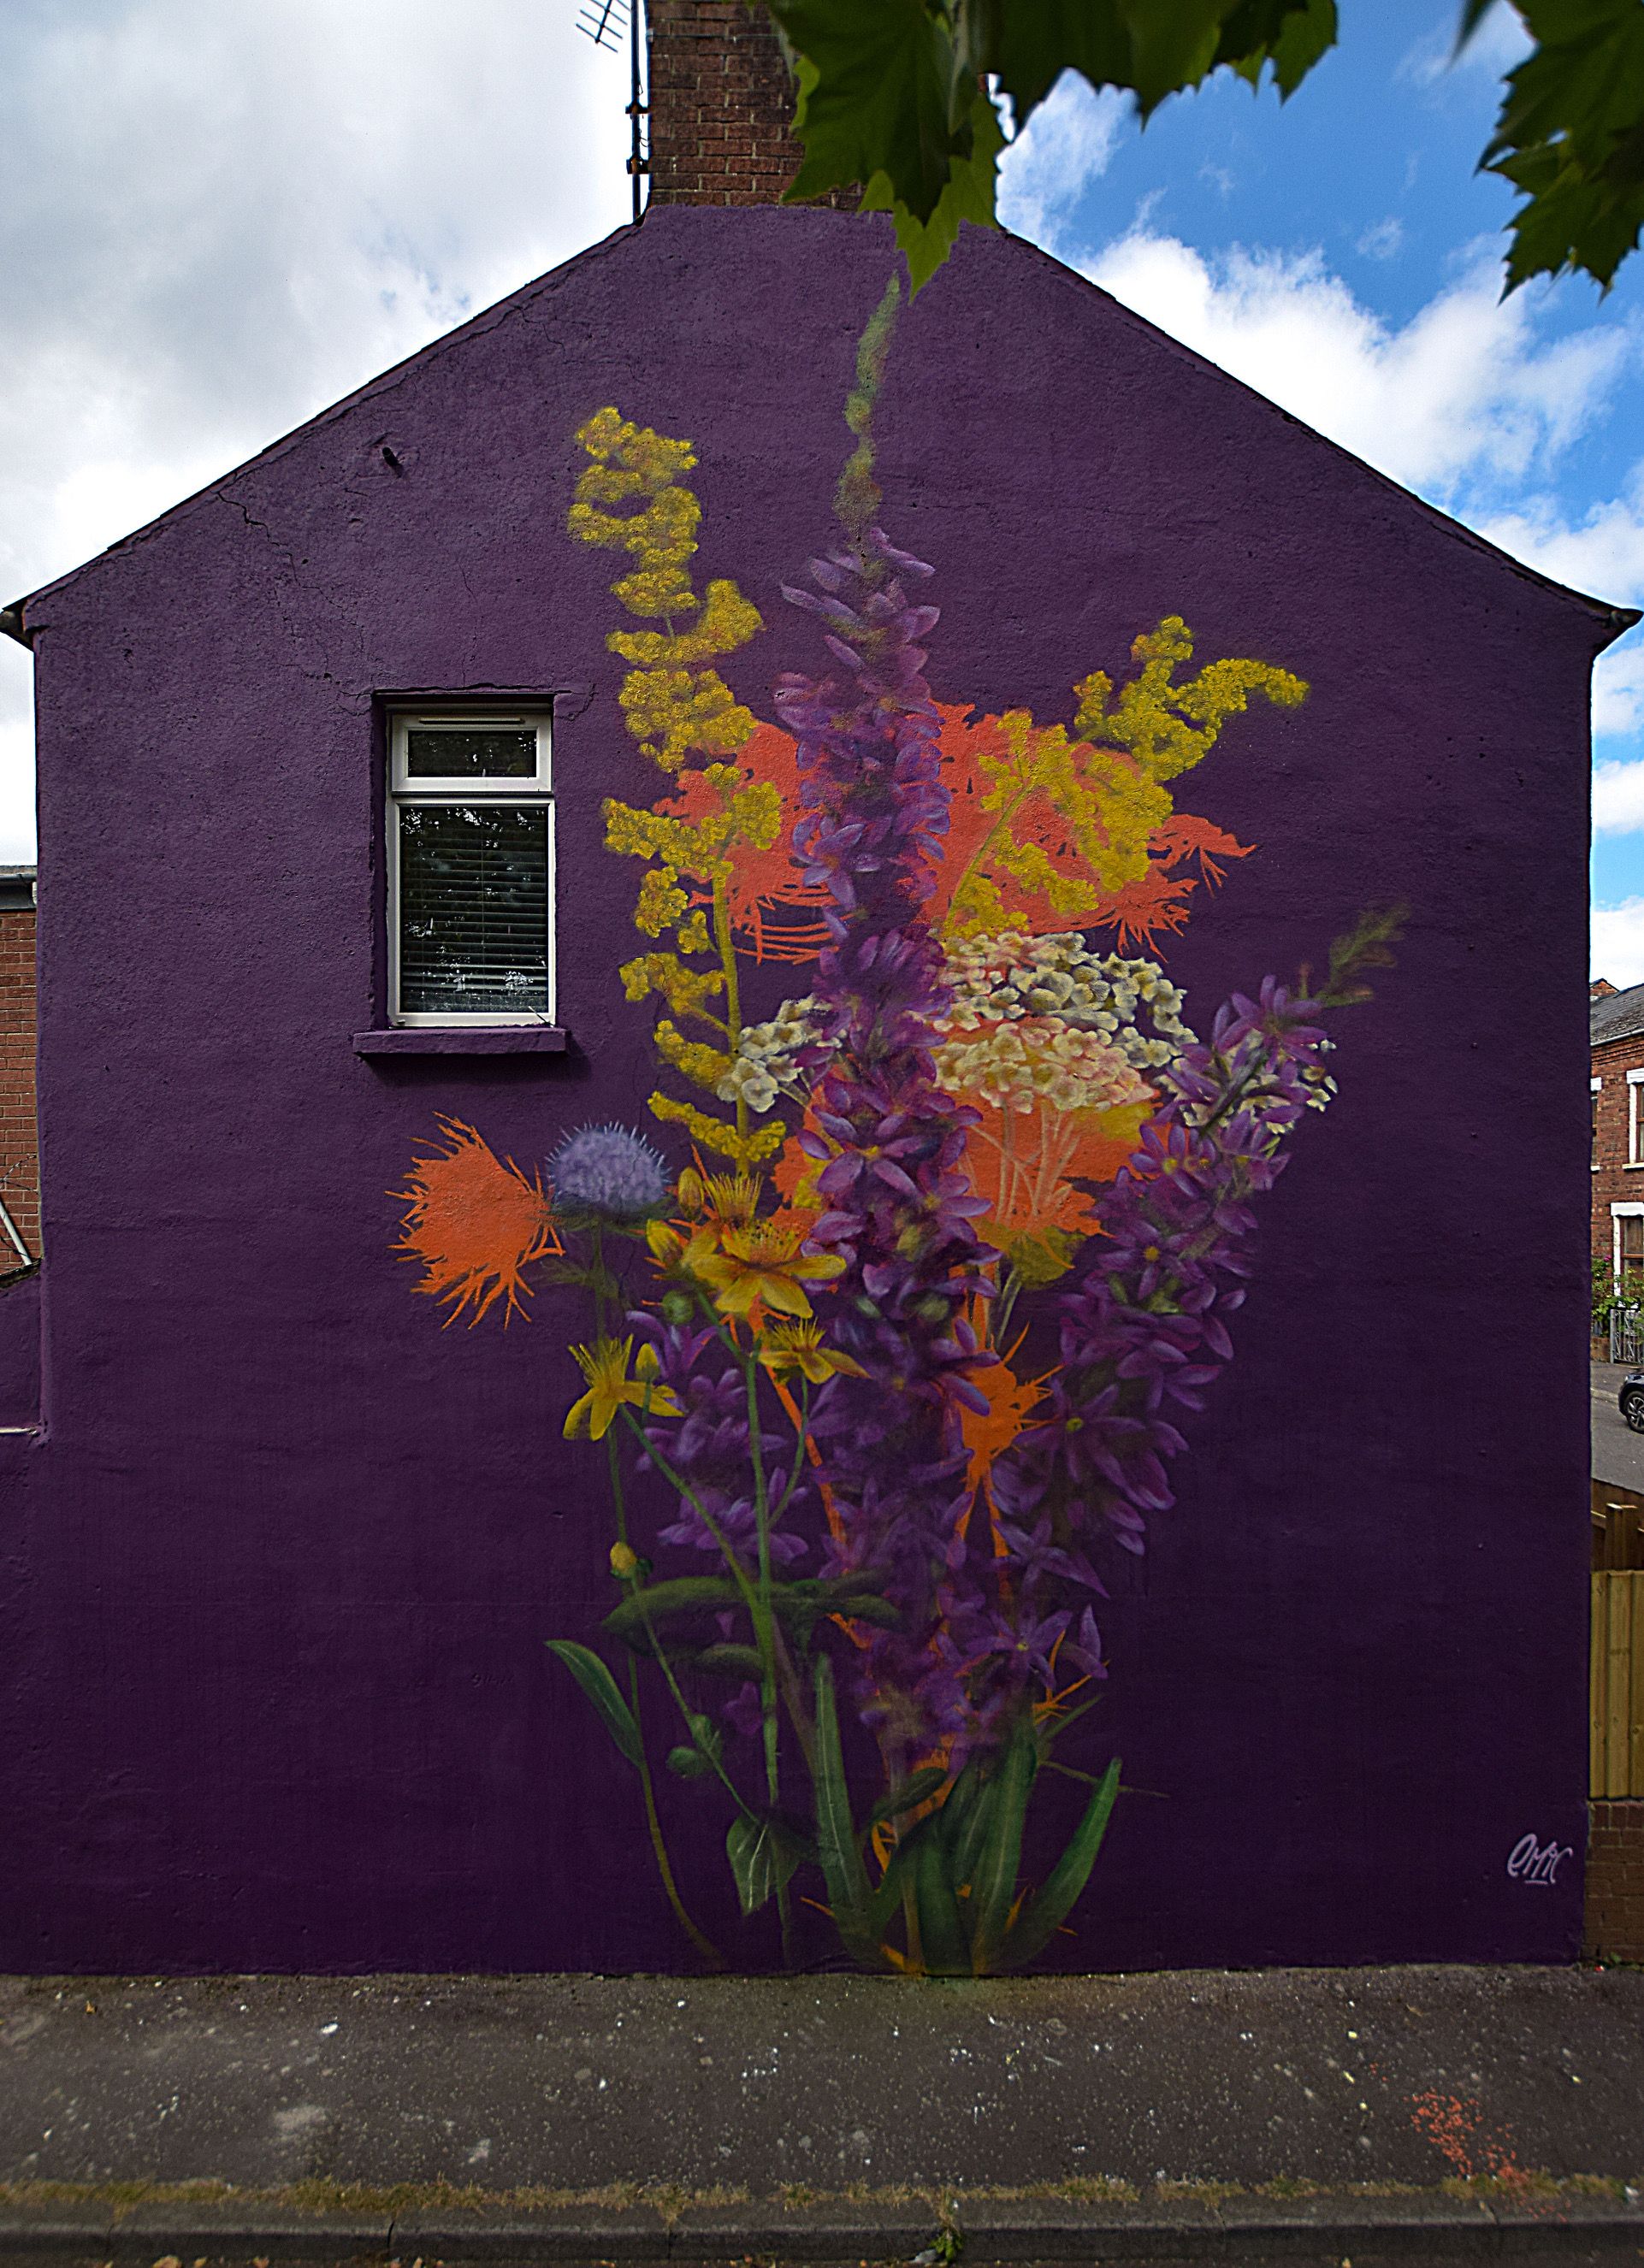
1617,1453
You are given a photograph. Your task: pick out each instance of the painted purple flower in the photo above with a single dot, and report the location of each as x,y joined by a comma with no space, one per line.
1143,1312
609,1172
900,1210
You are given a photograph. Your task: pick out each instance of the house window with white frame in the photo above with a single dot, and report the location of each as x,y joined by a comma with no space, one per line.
470,839
1635,1155
1598,1087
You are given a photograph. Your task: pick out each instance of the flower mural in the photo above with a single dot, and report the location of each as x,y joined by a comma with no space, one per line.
904,1334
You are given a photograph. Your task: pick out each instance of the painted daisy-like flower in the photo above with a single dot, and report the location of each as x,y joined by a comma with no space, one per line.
799,1346
605,1366
608,1172
762,1265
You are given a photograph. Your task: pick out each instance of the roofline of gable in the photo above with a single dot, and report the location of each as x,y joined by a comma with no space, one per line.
1615,621
14,616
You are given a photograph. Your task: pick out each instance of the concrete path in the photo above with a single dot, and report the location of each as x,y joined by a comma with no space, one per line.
1403,2113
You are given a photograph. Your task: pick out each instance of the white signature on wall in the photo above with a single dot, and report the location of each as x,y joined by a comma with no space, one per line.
1530,1861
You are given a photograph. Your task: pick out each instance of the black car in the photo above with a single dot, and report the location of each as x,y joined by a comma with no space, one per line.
1632,1400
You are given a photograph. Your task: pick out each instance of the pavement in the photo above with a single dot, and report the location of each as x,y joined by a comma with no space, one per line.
1618,1452
1338,2116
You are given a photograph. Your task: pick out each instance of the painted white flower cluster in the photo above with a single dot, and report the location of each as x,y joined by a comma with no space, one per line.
766,1062
1038,1060
1000,980
1034,1020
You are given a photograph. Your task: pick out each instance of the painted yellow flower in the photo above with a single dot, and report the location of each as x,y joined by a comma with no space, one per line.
624,1561
605,1366
799,1346
759,1266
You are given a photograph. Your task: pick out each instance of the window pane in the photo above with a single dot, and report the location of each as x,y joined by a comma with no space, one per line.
473,908
470,752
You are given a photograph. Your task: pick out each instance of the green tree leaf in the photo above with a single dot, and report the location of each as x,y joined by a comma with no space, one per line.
1570,138
600,1688
876,89
889,100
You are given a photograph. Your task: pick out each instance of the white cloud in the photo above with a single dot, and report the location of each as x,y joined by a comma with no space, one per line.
1619,692
1618,942
1603,553
1500,43
1384,240
220,219
1618,799
1463,392
1068,143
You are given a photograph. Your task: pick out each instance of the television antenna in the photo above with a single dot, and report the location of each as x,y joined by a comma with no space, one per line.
607,23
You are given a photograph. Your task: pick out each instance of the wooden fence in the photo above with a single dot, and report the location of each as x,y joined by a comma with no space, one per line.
1616,1749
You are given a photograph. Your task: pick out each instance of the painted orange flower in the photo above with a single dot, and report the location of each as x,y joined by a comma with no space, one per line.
1011,1401
474,1224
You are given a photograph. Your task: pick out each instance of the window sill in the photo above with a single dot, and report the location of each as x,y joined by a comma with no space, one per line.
464,1039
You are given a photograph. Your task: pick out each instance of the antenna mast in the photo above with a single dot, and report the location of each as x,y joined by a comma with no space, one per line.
604,22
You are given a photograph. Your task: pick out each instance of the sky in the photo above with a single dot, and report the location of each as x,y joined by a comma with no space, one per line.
220,219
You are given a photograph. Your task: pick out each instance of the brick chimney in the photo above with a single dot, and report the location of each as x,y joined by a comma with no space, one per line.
721,96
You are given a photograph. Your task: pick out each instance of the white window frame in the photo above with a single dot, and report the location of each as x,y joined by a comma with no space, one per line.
1635,1079
1597,1088
536,788
1628,1210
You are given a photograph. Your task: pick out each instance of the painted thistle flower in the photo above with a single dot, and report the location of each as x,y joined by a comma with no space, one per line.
605,1366
608,1172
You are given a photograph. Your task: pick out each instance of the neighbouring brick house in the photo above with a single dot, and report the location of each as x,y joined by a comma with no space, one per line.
1615,1851
355,918
1615,1030
19,1137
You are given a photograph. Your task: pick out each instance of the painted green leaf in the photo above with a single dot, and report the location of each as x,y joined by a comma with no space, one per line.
600,1688
699,1759
730,1661
993,1883
658,1602
760,1859
837,1849
941,1932
689,1764
1040,1921
967,1830
916,1789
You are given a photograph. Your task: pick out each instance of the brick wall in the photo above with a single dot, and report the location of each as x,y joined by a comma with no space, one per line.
19,1137
1615,1882
1615,1181
722,97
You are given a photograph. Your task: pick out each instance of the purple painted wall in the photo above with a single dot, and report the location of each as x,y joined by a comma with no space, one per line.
276,1575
